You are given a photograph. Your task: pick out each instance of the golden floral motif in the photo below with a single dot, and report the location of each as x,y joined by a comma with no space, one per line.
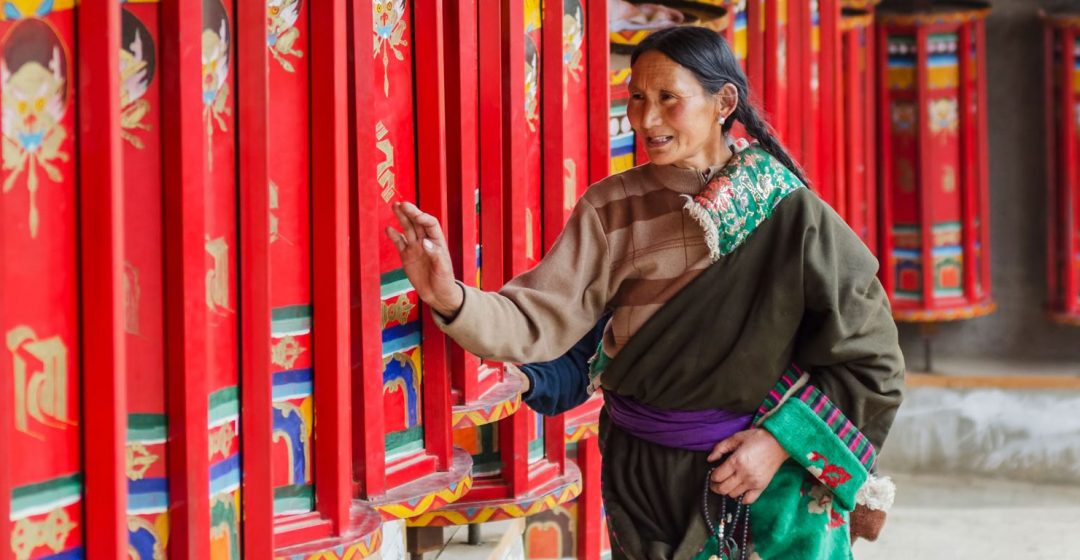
286,351
397,312
139,460
220,442
52,532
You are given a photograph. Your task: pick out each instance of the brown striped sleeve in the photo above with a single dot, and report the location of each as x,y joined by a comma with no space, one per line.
540,314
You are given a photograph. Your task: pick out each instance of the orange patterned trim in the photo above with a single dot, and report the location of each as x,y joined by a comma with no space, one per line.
861,21
499,402
859,4
1063,21
936,315
430,492
1065,318
564,490
575,434
364,541
932,18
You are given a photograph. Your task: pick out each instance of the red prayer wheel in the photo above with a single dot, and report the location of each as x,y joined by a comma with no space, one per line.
1062,84
855,195
935,245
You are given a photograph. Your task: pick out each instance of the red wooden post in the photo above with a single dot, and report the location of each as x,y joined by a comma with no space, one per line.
512,438
590,505
463,173
431,153
7,424
828,140
492,144
871,177
552,124
982,165
923,155
184,155
254,214
101,248
968,175
886,173
1068,180
330,263
1050,130
599,54
369,456
756,55
554,153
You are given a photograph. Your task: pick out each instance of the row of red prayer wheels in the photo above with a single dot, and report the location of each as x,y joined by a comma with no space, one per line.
194,271
211,348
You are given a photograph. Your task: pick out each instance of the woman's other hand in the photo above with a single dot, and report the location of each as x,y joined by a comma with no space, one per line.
755,458
426,260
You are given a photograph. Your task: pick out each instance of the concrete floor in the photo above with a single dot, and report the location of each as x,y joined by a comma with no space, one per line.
954,517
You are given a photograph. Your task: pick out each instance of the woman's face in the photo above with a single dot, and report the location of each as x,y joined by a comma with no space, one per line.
672,114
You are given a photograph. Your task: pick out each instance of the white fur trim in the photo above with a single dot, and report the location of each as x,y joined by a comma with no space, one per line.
878,492
712,236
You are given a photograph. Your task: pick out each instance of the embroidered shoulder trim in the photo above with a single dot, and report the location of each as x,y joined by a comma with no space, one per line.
739,198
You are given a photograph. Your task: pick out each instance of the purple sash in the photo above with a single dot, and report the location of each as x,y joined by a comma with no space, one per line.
697,430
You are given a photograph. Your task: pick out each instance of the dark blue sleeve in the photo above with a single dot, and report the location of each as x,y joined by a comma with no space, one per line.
562,383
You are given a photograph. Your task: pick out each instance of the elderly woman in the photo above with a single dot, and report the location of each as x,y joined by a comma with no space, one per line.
750,365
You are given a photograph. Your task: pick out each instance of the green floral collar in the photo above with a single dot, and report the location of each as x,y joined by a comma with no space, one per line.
740,197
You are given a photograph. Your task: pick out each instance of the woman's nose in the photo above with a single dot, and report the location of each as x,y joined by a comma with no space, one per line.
650,115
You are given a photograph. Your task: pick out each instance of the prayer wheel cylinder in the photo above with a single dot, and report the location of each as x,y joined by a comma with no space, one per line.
935,248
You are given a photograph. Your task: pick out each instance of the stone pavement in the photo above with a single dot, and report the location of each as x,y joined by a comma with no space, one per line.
964,517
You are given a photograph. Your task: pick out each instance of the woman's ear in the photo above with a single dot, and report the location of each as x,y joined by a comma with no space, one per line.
727,100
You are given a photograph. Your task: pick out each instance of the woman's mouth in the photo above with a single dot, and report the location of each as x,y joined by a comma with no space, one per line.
658,141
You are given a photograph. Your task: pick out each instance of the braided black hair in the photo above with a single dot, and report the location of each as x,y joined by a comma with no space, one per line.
710,59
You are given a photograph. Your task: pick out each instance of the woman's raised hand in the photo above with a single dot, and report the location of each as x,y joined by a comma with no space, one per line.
426,259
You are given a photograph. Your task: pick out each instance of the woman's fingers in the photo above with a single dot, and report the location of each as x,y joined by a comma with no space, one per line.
751,496
407,226
425,223
396,238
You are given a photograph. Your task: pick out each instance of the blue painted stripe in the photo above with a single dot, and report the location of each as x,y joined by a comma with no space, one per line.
943,60
401,344
70,554
901,61
292,391
400,331
148,495
622,141
288,377
148,485
225,474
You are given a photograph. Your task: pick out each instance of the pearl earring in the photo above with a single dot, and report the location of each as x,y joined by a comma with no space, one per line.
720,121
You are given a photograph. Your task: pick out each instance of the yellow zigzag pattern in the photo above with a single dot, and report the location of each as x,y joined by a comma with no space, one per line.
471,418
363,549
583,431
504,511
432,501
919,316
